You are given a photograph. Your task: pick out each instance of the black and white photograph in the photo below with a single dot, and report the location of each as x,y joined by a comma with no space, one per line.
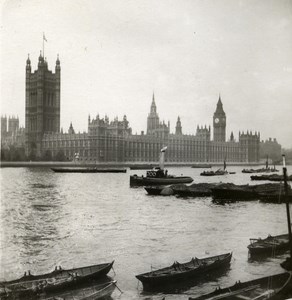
146,150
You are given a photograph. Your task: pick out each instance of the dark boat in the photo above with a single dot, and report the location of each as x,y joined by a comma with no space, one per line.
219,172
275,287
141,167
154,190
214,173
202,166
182,190
88,170
230,191
272,177
58,279
267,192
195,268
267,169
158,176
262,170
158,180
94,292
269,245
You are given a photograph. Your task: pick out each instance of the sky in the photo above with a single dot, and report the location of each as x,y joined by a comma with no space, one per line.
115,54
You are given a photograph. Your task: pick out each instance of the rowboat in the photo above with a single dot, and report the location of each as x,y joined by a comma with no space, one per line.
177,272
94,292
32,289
269,245
271,287
55,280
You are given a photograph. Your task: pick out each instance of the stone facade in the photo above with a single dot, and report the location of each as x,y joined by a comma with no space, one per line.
42,104
272,149
113,141
11,133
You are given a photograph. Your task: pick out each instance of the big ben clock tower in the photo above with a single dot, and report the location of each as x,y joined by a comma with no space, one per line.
219,123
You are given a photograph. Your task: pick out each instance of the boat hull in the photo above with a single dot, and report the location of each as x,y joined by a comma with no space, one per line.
269,245
94,292
158,280
275,287
146,181
26,285
88,170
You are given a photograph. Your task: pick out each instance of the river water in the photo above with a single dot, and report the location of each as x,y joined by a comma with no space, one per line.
73,220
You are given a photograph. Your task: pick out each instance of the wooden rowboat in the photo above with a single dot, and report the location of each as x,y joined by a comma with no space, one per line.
275,287
269,245
56,280
94,292
155,280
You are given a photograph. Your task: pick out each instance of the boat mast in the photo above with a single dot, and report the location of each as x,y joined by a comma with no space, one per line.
267,162
287,207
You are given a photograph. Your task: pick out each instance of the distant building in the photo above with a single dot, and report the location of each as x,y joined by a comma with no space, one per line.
270,148
11,133
113,141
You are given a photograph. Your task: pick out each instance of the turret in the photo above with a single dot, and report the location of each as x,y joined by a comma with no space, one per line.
178,128
219,122
57,68
28,65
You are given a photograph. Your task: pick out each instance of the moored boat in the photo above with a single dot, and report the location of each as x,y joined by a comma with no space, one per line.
89,170
267,192
93,292
262,170
202,166
156,280
269,245
266,169
214,173
57,279
273,177
271,287
182,190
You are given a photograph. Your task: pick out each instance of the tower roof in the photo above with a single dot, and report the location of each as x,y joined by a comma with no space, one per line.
219,108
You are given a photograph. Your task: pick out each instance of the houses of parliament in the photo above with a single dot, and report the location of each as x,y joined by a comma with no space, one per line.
113,141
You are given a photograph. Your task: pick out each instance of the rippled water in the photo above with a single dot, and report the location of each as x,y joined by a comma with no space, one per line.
73,220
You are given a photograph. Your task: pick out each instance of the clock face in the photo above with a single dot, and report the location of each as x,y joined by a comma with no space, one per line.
216,120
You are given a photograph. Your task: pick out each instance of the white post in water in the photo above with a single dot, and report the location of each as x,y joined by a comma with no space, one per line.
162,157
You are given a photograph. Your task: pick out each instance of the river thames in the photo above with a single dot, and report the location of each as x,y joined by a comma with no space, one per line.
74,220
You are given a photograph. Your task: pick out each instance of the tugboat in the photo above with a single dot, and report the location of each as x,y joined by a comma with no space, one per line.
158,176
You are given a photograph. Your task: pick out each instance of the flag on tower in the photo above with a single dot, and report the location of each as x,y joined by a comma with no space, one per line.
44,38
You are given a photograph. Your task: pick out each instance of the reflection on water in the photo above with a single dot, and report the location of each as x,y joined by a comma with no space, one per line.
72,220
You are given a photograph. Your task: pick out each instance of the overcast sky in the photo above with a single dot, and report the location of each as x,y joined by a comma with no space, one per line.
114,54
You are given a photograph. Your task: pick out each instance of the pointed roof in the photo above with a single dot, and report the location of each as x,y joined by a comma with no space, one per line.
219,108
153,99
153,105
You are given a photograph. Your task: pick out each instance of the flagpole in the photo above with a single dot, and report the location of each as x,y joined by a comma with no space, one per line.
43,46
